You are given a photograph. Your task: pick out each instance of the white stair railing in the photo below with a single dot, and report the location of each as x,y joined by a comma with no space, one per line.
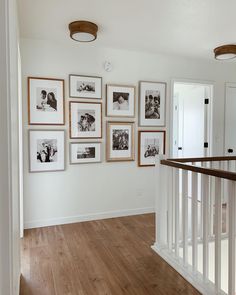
194,198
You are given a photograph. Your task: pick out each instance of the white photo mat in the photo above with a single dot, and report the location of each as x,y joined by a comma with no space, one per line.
127,109
77,82
36,137
76,148
77,108
48,116
144,89
152,139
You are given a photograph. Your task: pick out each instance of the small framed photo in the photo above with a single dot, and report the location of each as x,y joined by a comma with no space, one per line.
151,143
152,101
85,86
46,150
46,105
85,152
85,120
120,141
120,101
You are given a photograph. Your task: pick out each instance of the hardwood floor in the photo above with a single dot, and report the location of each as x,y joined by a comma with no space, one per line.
106,257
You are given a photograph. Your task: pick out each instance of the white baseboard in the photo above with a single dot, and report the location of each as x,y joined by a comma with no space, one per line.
195,279
86,217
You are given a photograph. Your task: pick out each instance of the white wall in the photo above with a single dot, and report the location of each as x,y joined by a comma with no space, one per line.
86,191
9,156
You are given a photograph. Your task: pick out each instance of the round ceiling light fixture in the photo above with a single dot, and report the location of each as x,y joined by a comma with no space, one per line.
225,52
83,31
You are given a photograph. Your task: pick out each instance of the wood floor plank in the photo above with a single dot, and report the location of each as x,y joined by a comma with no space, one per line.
105,257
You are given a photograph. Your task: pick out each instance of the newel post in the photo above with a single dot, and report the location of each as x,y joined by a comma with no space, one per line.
161,202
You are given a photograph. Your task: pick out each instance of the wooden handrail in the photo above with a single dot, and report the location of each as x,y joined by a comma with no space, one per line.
204,159
180,163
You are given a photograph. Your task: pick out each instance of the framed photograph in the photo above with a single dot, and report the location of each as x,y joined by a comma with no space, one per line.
120,141
151,143
46,104
152,101
46,150
120,101
85,120
85,152
85,86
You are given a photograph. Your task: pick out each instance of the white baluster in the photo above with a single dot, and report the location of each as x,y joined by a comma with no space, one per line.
218,225
232,220
194,219
176,190
170,207
185,215
206,221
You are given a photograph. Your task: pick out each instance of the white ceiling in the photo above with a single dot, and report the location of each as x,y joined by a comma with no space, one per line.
181,27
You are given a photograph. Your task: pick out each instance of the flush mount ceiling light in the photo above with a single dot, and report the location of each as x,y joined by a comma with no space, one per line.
225,52
83,31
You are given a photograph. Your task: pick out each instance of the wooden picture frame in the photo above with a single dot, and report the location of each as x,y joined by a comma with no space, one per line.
81,86
120,100
120,141
147,158
46,150
152,104
85,152
46,101
85,120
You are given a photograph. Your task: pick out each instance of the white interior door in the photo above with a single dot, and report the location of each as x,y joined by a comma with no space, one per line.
191,120
230,119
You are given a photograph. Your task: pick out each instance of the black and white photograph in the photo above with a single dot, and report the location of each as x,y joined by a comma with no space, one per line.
152,98
85,86
46,150
152,104
151,143
120,101
120,141
85,120
46,101
85,153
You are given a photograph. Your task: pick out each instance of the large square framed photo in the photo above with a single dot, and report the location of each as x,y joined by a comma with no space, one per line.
85,120
151,143
85,86
82,153
152,101
120,101
46,150
120,141
46,105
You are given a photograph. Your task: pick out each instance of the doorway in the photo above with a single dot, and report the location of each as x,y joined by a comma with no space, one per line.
192,119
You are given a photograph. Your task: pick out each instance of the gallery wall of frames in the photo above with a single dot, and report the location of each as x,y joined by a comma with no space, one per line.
46,107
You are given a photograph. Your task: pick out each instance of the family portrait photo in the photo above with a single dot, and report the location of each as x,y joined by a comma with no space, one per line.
85,153
120,141
120,101
152,98
151,144
46,150
85,120
152,104
85,86
46,101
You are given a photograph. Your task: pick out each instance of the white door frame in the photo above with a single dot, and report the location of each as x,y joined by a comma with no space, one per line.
210,114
